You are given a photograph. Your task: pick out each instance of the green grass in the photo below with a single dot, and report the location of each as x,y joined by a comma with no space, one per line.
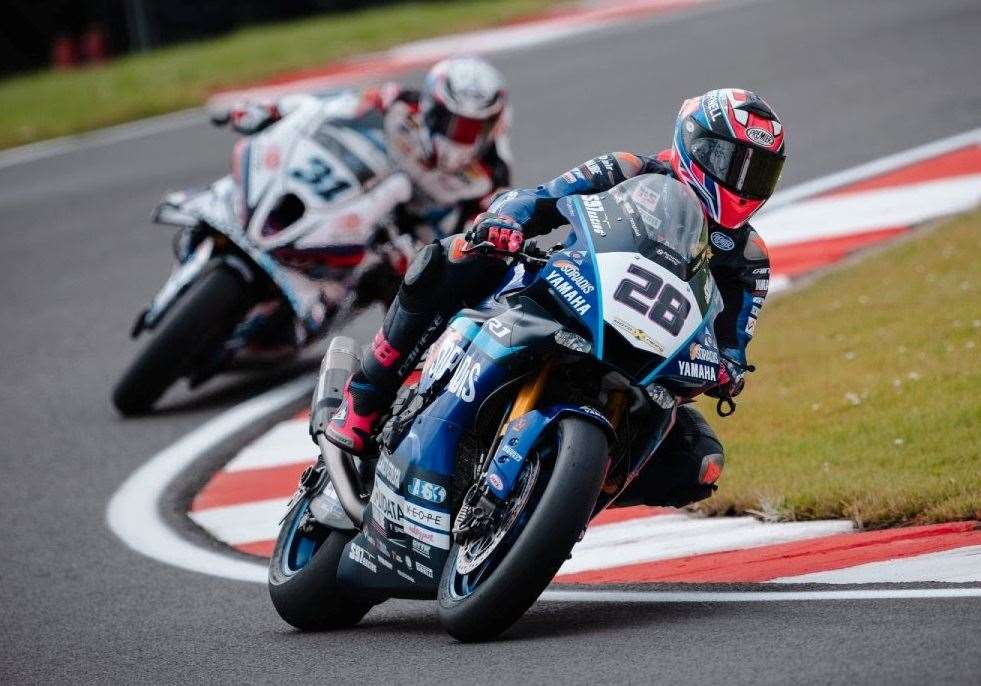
867,404
54,103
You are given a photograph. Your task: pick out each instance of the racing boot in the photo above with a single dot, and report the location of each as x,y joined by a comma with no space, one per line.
355,421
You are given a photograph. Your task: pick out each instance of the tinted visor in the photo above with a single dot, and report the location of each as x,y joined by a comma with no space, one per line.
459,129
740,167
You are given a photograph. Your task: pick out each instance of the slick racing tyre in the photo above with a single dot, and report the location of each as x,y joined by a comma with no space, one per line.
482,603
201,322
303,575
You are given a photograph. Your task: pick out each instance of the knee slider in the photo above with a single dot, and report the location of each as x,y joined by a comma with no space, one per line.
425,268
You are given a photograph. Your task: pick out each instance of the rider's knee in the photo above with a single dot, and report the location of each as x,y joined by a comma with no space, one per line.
423,274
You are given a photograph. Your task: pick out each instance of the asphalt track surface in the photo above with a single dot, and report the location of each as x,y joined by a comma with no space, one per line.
852,80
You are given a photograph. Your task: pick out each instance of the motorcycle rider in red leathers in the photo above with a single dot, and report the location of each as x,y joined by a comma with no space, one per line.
450,139
729,148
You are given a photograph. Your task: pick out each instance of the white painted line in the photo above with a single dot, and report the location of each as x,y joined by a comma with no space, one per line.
853,213
960,565
244,523
617,597
286,443
141,128
134,510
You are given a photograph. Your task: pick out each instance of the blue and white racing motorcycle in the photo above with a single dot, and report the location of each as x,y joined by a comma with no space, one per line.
529,416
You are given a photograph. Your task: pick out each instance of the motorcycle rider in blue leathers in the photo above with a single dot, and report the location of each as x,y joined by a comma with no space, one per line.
729,148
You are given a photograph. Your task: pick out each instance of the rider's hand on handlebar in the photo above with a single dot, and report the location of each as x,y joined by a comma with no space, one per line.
247,118
496,231
731,381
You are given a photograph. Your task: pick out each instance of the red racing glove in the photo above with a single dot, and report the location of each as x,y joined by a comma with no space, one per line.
496,231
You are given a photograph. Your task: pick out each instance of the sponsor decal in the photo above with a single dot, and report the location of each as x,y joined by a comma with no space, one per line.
362,557
667,256
760,137
569,176
754,311
697,352
594,207
407,577
722,241
762,284
446,353
428,571
510,195
412,358
713,108
652,223
593,167
388,470
761,270
568,291
434,493
396,509
577,256
421,548
751,326
574,275
507,453
694,370
463,382
433,538
495,481
520,423
639,335
496,327
384,562
645,198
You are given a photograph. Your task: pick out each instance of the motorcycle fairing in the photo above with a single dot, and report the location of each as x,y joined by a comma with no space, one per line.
520,437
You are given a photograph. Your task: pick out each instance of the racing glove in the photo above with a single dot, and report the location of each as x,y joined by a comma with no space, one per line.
497,231
247,118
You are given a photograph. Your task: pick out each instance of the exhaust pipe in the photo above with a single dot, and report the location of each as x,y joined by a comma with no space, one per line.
339,362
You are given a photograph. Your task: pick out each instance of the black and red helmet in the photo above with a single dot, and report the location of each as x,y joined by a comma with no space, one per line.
729,147
463,105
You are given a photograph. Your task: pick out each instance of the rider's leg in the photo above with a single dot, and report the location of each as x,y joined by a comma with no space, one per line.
685,467
439,281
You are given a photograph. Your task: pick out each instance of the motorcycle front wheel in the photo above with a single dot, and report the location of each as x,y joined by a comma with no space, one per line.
487,598
201,322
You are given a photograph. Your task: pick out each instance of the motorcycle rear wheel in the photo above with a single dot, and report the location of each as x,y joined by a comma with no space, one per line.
303,576
560,515
203,320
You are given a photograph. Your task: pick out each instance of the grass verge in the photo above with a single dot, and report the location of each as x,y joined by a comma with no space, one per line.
867,404
55,103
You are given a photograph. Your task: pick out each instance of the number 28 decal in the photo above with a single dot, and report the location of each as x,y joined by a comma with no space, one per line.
662,303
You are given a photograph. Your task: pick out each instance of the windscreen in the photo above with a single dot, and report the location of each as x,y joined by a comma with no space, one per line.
668,224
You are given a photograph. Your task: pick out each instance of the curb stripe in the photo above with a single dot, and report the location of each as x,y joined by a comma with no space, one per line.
790,559
246,486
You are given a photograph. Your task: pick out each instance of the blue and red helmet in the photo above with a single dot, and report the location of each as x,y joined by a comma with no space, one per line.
729,147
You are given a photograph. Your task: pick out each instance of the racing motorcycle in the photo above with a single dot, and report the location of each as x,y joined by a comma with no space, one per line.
297,238
530,415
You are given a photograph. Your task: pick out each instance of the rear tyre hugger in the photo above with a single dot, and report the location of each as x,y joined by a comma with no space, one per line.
553,529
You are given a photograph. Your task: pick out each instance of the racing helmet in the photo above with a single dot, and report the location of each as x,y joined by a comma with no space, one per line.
729,147
463,104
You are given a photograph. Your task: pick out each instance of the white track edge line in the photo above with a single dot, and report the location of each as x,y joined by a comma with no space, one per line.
133,513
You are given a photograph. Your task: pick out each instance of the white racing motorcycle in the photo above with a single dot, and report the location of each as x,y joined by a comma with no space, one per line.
295,240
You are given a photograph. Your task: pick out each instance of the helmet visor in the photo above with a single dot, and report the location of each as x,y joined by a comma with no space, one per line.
745,169
457,128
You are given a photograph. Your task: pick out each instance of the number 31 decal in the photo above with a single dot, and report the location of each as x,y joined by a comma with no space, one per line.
662,303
